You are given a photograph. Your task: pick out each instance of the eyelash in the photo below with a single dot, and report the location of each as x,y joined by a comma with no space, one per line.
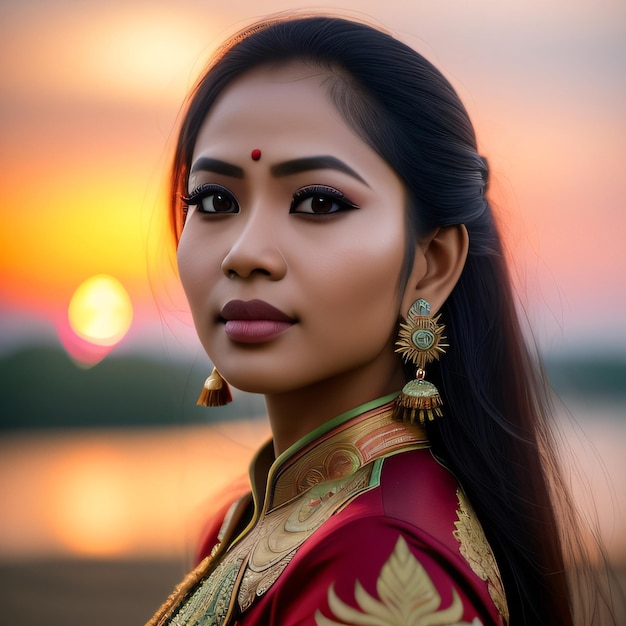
320,192
198,196
206,191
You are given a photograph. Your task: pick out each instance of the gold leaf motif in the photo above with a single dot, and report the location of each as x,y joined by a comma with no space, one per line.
407,597
475,548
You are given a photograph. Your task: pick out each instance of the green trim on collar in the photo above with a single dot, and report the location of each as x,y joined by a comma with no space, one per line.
332,424
377,470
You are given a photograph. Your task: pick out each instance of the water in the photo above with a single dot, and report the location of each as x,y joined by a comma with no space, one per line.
136,493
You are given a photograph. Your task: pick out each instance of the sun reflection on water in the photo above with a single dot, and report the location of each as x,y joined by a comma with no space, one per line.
133,492
118,492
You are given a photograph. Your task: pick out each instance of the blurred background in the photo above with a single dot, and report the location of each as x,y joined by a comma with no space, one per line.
107,467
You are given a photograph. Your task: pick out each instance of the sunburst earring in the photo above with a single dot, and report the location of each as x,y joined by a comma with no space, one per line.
215,391
420,341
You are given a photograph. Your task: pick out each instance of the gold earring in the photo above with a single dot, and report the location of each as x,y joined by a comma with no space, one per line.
421,341
215,391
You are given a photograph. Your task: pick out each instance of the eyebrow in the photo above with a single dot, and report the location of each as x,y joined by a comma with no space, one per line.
206,164
305,164
287,168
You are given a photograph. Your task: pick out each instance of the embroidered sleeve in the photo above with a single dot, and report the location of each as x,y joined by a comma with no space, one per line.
475,549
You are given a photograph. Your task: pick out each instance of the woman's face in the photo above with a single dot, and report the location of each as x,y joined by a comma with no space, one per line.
294,241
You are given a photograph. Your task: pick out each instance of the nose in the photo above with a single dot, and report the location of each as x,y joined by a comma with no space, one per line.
255,252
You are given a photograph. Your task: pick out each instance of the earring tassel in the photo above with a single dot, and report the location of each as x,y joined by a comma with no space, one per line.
215,391
419,402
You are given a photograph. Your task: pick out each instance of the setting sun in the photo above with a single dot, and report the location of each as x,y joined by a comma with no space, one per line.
100,310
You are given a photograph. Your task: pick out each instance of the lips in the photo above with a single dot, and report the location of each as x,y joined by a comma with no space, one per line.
253,310
254,321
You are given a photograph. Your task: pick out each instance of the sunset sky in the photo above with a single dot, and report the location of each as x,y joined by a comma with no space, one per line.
91,91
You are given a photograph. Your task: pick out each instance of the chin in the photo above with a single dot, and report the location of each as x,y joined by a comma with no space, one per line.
262,387
266,382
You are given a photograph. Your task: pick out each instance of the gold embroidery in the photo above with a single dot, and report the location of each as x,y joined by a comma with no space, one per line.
256,583
303,491
341,452
267,550
209,604
276,538
407,595
477,552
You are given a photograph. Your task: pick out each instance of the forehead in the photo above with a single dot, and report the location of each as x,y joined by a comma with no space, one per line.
282,104
287,113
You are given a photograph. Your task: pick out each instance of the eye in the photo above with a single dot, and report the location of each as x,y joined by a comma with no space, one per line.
320,200
212,199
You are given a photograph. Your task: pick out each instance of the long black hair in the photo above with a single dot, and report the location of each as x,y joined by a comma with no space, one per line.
494,436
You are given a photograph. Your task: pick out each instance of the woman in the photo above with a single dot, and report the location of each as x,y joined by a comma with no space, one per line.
330,212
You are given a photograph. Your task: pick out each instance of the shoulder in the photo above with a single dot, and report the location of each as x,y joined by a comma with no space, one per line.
414,488
414,493
377,567
397,547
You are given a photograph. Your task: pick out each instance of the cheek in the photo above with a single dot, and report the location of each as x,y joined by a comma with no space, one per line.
198,267
357,301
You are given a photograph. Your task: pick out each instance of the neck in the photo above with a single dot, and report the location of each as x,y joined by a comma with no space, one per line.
296,413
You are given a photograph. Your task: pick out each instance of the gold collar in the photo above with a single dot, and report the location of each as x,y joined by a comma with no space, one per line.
331,453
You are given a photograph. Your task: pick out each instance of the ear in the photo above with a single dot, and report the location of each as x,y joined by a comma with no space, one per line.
439,261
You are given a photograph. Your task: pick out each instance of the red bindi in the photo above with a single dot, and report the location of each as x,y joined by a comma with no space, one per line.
255,154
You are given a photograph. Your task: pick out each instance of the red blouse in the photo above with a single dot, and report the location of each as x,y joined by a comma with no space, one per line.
357,524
